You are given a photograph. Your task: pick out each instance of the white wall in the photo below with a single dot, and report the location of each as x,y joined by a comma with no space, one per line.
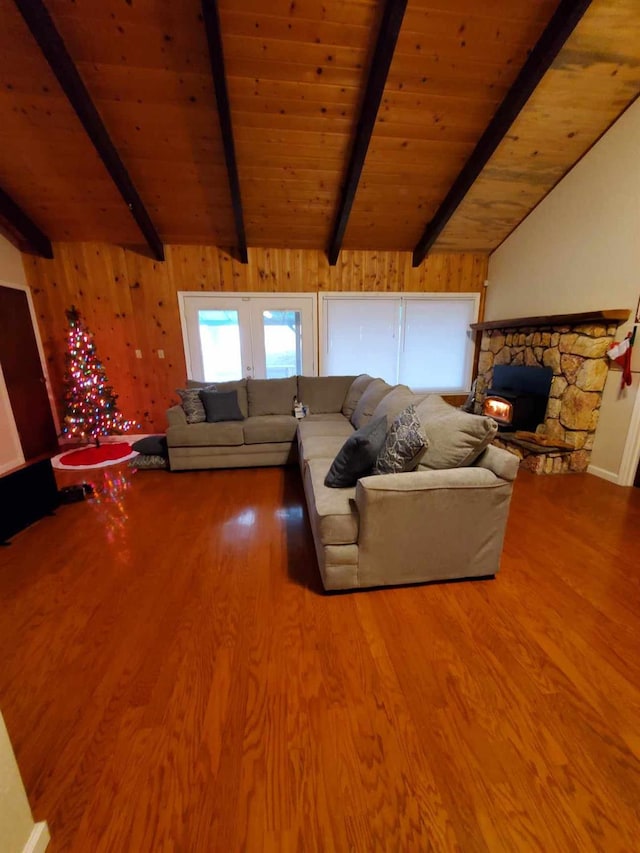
579,250
11,271
17,828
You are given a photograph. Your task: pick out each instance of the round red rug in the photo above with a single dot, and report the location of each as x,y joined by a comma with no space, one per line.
93,456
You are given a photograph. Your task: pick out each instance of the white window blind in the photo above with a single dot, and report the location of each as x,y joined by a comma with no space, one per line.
421,340
362,337
437,345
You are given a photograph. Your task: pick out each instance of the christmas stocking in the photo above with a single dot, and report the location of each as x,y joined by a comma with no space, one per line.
621,353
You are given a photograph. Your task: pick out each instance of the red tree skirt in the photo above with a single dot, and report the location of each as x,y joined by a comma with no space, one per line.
106,454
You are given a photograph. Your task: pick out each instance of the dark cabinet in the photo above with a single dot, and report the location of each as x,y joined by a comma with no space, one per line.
26,494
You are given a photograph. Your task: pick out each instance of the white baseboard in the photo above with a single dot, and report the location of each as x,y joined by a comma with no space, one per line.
611,476
39,838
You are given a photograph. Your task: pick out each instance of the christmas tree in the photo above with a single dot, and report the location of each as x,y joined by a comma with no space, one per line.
91,407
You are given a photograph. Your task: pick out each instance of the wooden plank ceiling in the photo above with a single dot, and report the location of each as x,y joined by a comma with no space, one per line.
595,77
296,71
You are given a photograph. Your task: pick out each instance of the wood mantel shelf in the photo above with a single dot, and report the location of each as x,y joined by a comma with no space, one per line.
611,315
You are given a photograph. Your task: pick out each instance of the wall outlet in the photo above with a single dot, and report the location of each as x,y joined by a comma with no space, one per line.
138,353
160,353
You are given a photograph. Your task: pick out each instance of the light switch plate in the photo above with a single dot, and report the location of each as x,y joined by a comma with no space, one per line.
138,353
160,353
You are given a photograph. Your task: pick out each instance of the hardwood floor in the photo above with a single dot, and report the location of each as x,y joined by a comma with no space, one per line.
173,678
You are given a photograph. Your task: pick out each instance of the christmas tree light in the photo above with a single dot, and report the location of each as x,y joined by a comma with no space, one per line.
91,409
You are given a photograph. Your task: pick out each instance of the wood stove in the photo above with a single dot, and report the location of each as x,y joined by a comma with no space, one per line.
518,396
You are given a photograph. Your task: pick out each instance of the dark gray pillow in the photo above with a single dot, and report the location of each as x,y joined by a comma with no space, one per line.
221,406
151,445
404,445
357,455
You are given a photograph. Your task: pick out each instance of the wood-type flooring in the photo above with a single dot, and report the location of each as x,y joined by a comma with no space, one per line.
173,678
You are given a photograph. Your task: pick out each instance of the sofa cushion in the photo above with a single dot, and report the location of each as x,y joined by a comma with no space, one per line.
404,445
323,393
455,438
225,434
336,515
358,455
239,385
321,446
221,405
308,427
192,405
326,417
374,392
263,429
271,396
394,402
356,390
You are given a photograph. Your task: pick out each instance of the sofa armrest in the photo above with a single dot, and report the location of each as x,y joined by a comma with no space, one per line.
430,525
501,462
176,416
449,478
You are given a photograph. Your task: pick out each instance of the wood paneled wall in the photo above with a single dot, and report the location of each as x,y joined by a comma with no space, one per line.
130,302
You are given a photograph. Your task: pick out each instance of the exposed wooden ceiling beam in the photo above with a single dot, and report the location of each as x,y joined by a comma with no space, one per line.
216,57
558,30
385,46
34,239
53,47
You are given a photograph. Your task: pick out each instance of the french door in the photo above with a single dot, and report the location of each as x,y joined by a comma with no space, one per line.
263,336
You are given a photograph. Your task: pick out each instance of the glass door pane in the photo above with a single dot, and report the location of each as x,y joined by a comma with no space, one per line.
220,345
282,334
217,337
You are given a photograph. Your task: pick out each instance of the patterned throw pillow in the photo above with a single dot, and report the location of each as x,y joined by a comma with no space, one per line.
192,405
404,445
149,461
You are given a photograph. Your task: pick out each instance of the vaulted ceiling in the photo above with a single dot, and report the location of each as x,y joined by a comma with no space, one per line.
297,74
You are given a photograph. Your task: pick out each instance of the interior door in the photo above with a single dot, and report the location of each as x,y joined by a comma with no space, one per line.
23,375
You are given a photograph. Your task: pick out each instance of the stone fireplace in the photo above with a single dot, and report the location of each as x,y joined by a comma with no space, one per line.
574,347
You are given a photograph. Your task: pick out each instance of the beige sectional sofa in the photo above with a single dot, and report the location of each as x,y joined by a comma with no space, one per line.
444,520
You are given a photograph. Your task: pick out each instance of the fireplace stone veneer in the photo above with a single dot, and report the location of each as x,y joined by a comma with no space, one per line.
577,356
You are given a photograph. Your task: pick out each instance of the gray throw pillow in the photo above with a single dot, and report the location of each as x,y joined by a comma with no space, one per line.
357,455
239,385
151,445
221,406
456,439
404,445
192,405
